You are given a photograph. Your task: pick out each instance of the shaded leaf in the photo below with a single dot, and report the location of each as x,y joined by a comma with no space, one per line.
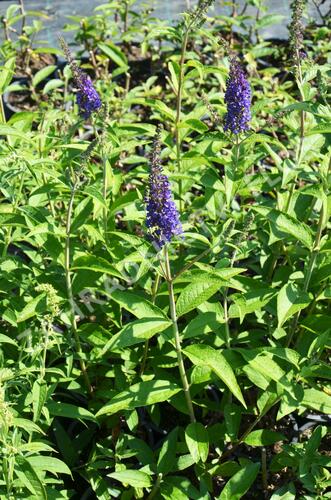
135,478
196,437
240,483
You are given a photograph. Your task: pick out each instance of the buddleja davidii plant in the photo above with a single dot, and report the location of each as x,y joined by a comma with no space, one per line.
297,56
236,124
203,354
307,154
89,103
162,220
237,98
163,225
192,20
90,107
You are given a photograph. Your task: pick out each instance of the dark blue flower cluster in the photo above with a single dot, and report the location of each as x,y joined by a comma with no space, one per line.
88,99
162,218
238,100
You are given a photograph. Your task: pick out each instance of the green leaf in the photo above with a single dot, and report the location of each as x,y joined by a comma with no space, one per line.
29,478
269,20
136,332
39,394
288,225
59,409
194,124
322,128
141,394
4,339
162,108
65,445
196,437
202,324
265,365
97,264
197,293
95,193
27,425
240,483
35,306
13,132
35,447
315,441
232,418
264,437
136,304
53,84
135,478
174,72
204,355
51,464
290,300
42,74
317,400
114,53
6,73
250,302
167,455
286,492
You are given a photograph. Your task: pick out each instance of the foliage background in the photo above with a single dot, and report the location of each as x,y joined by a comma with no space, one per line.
91,400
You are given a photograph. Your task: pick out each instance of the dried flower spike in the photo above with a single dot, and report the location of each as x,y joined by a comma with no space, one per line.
162,218
197,15
88,99
237,99
296,29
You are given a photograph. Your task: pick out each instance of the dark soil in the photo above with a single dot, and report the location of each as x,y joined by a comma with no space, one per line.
29,64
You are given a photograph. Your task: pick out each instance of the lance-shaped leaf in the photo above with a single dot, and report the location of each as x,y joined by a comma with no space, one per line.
136,332
141,394
204,355
197,293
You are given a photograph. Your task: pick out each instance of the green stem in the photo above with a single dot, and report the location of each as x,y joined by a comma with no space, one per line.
229,197
40,151
173,314
146,346
226,314
46,336
69,290
229,452
264,469
179,112
155,487
298,159
126,16
2,111
23,16
104,193
226,319
15,205
310,269
51,204
302,130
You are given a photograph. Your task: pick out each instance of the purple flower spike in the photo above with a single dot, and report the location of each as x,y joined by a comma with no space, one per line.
88,99
162,218
238,100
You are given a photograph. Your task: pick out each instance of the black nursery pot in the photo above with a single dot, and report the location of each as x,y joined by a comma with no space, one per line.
141,68
9,108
